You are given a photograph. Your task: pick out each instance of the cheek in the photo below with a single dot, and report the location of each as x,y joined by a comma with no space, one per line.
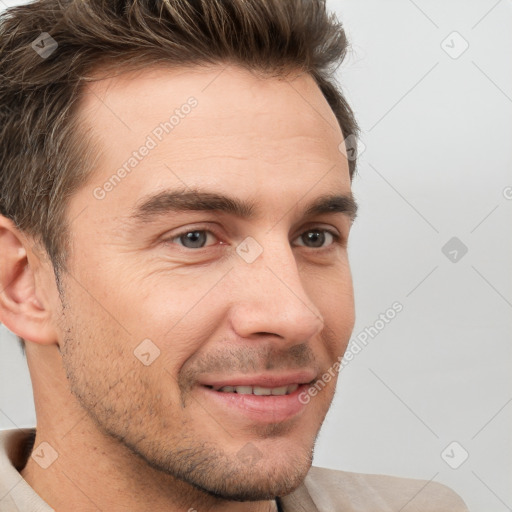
180,313
106,375
162,303
333,295
340,309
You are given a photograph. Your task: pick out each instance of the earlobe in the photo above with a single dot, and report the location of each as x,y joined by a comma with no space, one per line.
22,306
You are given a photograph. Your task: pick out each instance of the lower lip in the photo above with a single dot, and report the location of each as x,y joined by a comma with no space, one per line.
261,409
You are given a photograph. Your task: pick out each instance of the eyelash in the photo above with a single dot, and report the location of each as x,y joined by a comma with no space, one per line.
337,239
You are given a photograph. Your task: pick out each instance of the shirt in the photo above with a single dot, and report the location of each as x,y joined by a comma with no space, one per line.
323,490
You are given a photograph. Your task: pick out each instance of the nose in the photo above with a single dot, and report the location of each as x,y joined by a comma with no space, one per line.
271,299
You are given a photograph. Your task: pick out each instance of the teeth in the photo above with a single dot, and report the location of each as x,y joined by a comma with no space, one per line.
292,388
280,391
256,390
243,390
260,391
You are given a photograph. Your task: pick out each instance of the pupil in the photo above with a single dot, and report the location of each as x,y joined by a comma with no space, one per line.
314,238
193,239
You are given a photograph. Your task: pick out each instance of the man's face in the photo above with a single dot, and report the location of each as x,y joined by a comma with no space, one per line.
176,333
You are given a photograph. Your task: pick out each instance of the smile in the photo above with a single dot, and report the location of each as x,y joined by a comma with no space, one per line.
258,390
264,398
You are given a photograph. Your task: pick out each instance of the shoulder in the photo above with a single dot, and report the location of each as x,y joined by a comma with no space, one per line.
332,490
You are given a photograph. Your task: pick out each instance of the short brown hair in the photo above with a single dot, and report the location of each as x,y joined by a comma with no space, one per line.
45,157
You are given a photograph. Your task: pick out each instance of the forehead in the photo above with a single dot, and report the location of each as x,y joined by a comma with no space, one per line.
220,126
228,92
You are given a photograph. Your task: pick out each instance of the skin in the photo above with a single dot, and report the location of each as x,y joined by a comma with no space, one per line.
135,437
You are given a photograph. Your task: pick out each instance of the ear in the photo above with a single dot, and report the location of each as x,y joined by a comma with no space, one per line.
25,308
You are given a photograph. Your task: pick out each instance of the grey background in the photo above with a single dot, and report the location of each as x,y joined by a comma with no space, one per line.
437,138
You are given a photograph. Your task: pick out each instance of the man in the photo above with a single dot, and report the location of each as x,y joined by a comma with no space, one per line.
175,215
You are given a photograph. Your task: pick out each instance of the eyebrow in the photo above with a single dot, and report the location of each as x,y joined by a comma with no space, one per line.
155,206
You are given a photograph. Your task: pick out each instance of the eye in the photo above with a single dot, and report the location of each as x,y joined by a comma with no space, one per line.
196,239
199,238
317,238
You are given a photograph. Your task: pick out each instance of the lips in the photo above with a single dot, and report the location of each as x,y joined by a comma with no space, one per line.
259,390
261,384
242,403
263,399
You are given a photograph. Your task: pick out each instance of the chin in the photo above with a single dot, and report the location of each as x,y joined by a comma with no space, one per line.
253,473
263,480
